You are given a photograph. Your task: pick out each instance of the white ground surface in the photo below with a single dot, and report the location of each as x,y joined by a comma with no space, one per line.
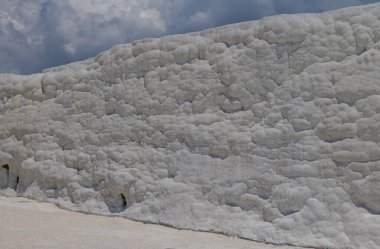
27,224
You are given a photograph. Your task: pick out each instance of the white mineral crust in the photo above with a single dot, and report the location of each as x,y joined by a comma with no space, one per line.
267,130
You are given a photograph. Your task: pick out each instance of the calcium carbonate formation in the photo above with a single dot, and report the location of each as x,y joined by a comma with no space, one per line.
267,130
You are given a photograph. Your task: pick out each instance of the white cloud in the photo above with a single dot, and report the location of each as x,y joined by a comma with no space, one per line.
200,17
96,24
77,28
154,16
69,48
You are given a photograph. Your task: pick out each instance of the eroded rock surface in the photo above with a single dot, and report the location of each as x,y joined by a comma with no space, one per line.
267,130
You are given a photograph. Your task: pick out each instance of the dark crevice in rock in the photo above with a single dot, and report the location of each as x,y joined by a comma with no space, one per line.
6,166
288,212
116,203
124,201
170,175
232,204
369,210
4,176
17,181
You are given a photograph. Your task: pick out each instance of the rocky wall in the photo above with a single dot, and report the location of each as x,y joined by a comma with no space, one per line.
267,130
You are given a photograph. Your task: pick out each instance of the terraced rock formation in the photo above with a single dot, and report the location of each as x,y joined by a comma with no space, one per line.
267,130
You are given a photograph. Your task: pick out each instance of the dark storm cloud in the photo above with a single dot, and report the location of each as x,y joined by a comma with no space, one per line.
35,34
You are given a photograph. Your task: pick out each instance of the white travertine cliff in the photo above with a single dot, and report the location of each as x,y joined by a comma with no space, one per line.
267,130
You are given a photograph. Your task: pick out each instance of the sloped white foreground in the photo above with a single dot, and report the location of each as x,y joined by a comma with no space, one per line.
44,226
268,130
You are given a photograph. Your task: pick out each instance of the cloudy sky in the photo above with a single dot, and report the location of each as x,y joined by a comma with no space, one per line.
36,34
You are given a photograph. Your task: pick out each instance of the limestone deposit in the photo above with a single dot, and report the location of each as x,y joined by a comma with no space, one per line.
61,229
267,130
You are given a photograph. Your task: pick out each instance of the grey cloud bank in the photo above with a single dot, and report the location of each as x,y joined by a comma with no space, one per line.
37,34
267,130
